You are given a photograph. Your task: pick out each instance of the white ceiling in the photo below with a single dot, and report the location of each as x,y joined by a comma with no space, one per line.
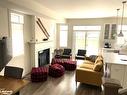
84,8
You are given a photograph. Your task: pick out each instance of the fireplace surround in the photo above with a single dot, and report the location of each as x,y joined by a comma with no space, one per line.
36,48
43,57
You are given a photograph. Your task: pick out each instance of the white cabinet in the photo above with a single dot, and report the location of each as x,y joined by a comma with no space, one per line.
110,31
117,72
125,78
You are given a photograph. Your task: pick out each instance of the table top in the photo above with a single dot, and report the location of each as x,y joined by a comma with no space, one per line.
115,58
11,85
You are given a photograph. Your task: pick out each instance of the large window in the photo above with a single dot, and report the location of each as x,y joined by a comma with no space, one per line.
86,37
63,35
17,34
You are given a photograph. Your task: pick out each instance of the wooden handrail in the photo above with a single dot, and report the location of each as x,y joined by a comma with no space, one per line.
43,27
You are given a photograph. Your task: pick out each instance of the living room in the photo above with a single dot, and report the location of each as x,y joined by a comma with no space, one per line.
32,39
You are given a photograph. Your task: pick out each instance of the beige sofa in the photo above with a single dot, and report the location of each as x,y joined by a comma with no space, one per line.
90,72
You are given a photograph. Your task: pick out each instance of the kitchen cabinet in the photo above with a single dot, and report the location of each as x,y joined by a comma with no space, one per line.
125,78
110,31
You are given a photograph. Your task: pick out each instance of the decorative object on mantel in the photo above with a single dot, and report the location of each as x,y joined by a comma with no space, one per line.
43,27
121,34
39,42
45,39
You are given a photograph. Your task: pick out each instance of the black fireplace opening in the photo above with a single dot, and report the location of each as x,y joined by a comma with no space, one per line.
43,57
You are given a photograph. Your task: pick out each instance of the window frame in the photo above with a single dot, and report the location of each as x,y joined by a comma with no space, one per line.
20,21
66,30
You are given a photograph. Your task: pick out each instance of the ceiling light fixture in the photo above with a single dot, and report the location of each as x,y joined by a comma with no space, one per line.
121,33
117,19
117,22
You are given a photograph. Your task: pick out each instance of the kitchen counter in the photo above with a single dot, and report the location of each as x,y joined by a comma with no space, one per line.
116,67
113,50
115,58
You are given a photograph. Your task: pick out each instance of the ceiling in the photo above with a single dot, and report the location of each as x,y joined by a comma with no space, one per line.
84,8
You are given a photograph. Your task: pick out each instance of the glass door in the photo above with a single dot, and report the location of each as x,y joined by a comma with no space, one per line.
80,40
86,37
88,40
92,42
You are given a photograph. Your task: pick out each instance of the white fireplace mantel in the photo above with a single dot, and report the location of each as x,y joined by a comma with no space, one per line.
35,47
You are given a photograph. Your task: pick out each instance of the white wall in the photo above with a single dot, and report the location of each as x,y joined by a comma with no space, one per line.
91,21
50,26
3,22
31,7
24,60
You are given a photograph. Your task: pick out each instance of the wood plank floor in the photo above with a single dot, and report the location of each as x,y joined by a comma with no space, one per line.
64,85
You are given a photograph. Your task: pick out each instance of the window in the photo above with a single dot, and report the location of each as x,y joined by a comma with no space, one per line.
86,28
80,40
63,35
86,37
17,34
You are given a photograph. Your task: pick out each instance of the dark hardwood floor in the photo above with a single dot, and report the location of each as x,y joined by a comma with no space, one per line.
64,85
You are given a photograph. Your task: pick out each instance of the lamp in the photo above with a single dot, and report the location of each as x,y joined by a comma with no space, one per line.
117,21
121,34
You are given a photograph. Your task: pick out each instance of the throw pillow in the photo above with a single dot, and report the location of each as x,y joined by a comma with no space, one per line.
99,58
93,58
98,66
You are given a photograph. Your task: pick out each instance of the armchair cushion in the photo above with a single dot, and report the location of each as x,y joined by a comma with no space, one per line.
88,62
87,66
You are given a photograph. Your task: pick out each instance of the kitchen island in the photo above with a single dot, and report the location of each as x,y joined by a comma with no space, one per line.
116,67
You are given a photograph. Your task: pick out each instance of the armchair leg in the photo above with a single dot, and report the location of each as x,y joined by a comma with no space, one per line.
17,93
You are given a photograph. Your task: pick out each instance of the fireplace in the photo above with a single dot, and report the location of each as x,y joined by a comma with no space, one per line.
43,57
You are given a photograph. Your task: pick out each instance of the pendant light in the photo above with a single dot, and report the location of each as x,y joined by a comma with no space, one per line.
121,33
117,21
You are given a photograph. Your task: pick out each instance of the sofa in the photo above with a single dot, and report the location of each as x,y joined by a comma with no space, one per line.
90,71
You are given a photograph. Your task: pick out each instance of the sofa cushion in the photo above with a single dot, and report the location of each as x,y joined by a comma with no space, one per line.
98,66
87,66
88,62
98,59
